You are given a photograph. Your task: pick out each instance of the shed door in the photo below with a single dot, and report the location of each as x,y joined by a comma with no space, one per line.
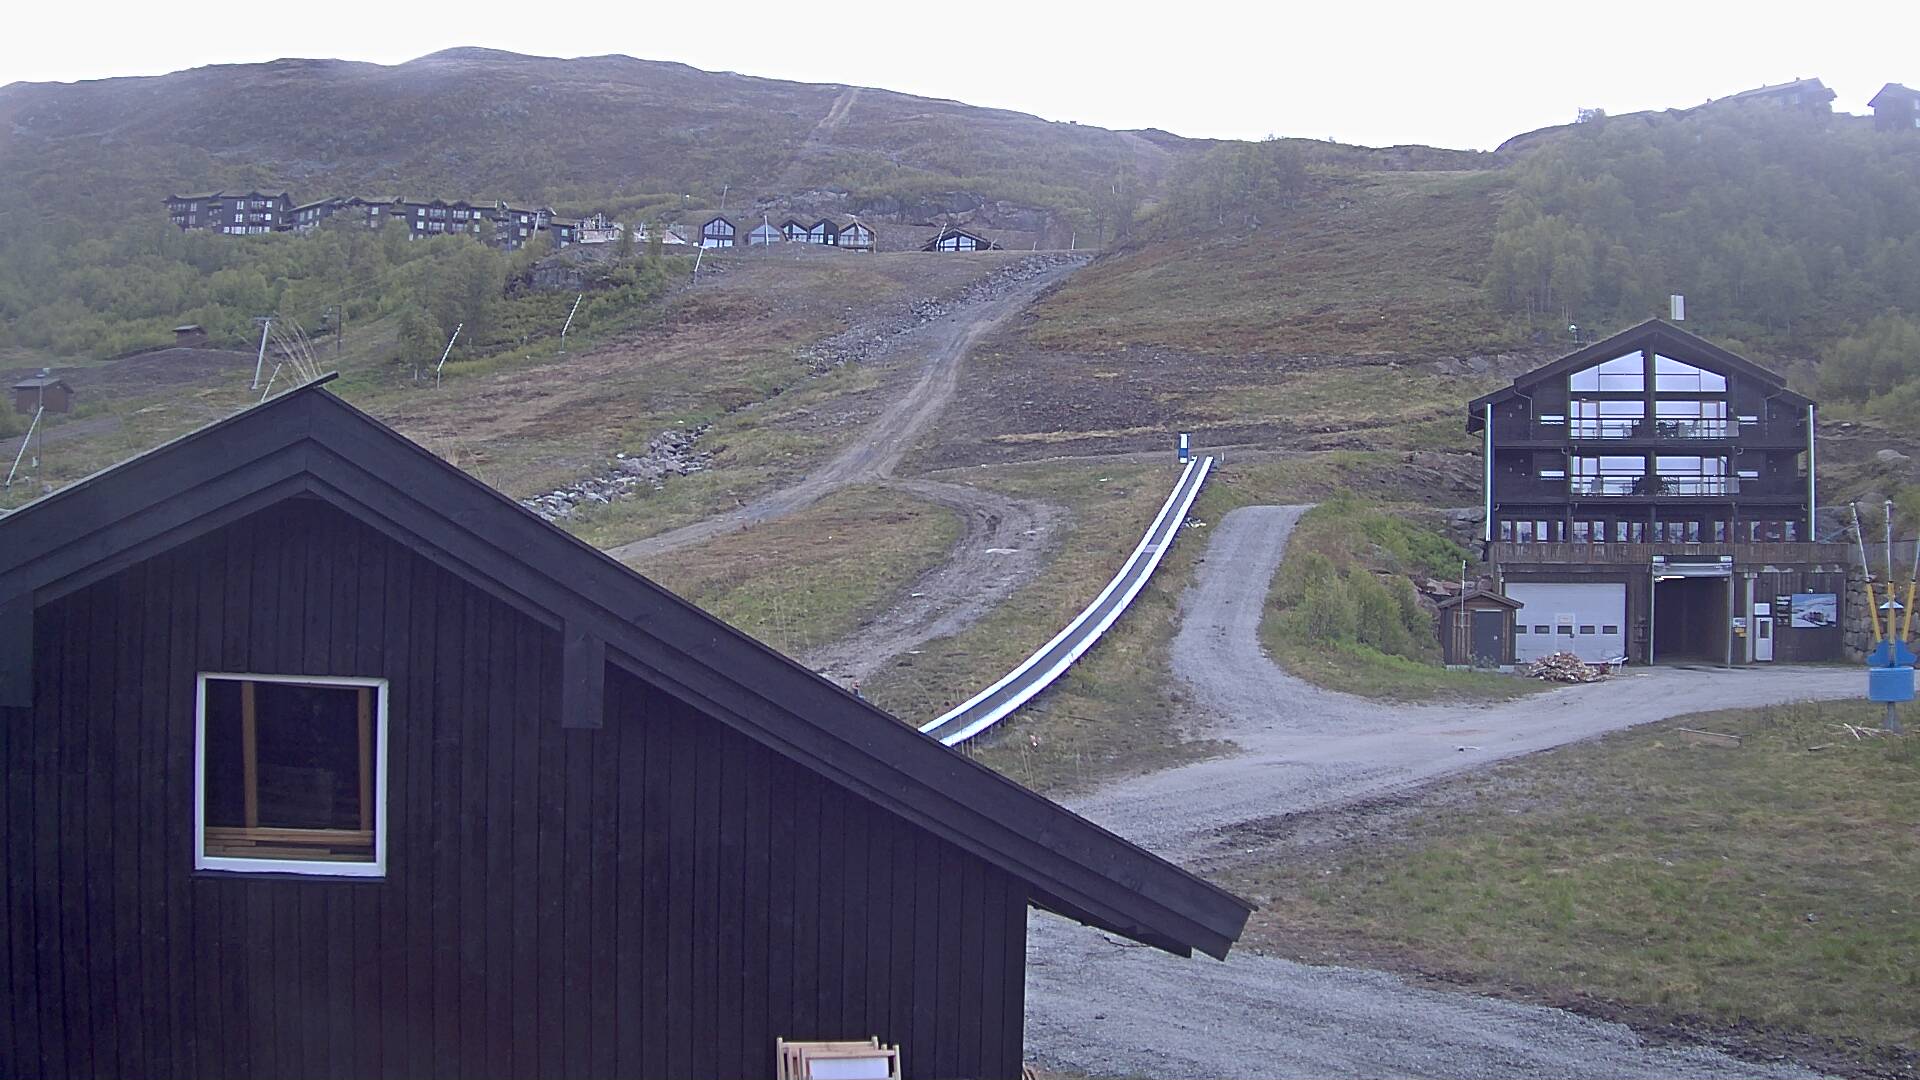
1762,631
1489,638
1587,619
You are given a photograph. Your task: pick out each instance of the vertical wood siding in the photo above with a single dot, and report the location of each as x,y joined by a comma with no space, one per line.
658,897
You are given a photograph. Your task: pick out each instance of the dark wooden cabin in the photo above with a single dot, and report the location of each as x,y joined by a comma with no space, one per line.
857,237
718,232
190,336
954,239
825,231
42,391
324,759
1896,108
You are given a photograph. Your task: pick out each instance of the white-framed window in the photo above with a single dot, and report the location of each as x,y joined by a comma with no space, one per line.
290,774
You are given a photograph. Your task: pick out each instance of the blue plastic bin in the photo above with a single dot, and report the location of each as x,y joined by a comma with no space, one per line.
1890,684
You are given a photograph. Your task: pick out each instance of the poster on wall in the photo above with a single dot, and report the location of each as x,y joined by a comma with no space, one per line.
1814,610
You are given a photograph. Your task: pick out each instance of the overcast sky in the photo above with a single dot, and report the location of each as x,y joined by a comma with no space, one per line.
1356,72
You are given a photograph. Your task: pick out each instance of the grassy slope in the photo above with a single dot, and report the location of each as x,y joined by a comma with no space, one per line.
1338,531
1113,713
810,579
1119,711
1763,884
1371,263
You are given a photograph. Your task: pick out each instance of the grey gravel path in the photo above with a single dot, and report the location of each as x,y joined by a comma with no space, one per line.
1108,1009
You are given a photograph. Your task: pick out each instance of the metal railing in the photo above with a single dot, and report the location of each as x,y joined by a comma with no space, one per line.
1038,671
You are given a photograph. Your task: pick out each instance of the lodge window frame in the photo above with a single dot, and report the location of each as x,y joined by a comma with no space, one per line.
377,868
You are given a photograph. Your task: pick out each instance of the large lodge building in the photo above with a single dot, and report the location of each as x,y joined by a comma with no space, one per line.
1651,497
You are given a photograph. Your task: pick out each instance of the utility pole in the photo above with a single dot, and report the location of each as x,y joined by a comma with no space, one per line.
260,361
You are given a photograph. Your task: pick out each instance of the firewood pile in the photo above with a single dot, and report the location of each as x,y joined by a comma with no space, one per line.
1564,667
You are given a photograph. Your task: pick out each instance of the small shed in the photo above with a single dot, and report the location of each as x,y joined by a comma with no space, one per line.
30,395
190,336
1476,629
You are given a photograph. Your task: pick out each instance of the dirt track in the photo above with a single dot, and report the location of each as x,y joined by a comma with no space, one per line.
878,450
1301,749
1002,549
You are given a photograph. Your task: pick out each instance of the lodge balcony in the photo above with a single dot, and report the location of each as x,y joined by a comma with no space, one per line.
1535,435
1642,555
1665,491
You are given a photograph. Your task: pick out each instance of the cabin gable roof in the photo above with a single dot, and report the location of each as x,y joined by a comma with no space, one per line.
1655,334
308,442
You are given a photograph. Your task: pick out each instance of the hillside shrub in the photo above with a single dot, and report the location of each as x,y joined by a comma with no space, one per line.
1376,615
1325,614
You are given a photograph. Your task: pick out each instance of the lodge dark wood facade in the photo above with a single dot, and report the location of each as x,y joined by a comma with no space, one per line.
1656,463
623,839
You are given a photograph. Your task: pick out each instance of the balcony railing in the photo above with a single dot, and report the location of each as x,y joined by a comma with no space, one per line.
1648,487
1655,431
1503,551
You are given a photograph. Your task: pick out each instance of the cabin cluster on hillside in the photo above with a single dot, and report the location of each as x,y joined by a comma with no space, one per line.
248,213
847,234
497,222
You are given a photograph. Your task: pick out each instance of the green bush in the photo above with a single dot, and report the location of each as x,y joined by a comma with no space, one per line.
1290,585
1376,614
1325,614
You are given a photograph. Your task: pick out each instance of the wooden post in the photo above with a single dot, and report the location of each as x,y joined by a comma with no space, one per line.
366,759
249,756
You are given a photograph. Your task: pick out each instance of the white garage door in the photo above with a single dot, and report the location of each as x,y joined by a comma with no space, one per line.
1588,619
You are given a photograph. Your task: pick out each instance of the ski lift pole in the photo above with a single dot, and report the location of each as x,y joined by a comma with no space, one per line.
260,361
1860,538
447,353
1889,512
24,442
1906,620
564,326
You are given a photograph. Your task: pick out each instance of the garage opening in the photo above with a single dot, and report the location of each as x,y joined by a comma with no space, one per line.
1587,619
1692,622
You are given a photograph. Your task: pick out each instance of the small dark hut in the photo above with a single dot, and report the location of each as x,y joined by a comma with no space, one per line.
190,336
42,391
1476,629
325,759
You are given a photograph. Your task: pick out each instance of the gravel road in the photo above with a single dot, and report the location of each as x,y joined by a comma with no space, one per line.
874,455
1111,1010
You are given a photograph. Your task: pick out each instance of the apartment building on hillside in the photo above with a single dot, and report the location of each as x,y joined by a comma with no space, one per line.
235,213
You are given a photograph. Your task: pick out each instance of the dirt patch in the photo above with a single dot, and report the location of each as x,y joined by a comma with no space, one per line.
1004,546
